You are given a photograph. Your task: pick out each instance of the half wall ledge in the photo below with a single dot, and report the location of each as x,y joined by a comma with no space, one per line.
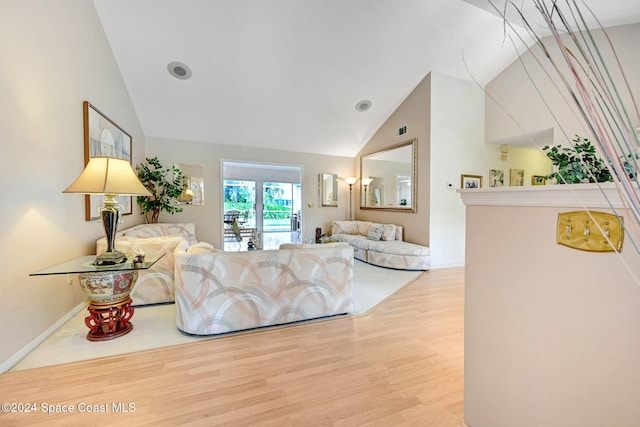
602,195
558,325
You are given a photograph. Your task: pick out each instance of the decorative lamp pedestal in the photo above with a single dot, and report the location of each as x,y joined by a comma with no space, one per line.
110,308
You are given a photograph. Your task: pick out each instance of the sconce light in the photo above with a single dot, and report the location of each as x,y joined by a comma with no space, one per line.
365,184
109,176
350,180
504,152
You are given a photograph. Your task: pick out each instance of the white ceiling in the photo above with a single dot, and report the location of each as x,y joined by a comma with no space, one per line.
287,74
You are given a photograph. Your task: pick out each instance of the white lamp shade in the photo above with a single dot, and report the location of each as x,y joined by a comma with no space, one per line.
366,181
108,175
350,180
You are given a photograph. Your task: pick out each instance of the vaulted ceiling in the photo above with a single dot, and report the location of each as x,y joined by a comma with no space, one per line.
288,74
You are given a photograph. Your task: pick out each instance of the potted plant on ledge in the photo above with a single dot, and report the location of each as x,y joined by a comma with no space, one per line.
581,163
165,186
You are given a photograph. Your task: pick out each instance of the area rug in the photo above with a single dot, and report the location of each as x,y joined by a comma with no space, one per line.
154,326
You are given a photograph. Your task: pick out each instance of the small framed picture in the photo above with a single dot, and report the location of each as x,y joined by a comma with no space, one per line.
496,178
538,180
516,178
470,181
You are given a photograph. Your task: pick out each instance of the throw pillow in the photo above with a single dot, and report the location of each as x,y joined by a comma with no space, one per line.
375,232
363,227
389,232
344,227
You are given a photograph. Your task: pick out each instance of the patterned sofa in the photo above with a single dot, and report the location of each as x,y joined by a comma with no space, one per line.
384,247
155,285
219,292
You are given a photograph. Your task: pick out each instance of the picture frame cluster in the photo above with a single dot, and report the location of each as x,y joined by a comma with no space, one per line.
497,179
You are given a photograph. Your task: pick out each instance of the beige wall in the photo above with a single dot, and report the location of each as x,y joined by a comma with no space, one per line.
414,113
54,56
208,218
552,334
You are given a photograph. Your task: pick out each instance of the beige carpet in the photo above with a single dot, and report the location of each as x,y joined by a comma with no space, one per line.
154,326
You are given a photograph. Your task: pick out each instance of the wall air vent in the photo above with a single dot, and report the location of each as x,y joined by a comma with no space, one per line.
401,130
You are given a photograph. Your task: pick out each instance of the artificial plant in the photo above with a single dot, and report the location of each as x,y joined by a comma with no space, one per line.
164,184
581,163
576,164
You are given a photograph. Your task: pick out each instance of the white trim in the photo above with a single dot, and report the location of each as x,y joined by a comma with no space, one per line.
24,351
604,195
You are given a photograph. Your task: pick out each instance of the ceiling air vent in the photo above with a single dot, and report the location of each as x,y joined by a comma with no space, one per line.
401,131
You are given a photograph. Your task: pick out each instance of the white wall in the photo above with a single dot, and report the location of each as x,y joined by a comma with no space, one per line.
552,334
517,107
54,56
457,147
208,218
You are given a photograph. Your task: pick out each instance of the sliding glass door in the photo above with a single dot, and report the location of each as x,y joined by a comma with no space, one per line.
266,210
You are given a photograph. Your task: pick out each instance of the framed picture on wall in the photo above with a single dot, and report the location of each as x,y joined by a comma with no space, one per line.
470,181
538,180
102,137
496,178
516,178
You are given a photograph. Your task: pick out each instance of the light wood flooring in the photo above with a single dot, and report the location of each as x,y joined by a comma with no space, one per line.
401,364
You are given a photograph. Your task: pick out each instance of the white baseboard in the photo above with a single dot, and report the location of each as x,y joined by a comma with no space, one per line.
9,363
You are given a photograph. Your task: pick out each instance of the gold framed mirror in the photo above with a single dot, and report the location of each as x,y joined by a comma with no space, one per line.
328,189
388,178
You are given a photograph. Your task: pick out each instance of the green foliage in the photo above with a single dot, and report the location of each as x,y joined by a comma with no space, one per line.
164,184
240,198
577,164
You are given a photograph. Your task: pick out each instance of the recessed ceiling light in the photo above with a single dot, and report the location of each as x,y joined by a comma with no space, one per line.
179,70
363,105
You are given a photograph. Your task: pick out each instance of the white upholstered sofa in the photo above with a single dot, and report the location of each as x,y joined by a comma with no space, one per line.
384,248
219,292
155,285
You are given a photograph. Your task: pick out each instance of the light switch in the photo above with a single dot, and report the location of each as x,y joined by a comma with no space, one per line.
577,230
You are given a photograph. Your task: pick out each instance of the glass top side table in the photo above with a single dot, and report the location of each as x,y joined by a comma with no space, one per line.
108,289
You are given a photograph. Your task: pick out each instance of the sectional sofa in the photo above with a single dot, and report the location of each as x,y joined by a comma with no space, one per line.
155,285
381,245
219,292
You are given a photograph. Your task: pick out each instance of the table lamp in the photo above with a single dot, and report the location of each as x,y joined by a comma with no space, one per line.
110,177
350,180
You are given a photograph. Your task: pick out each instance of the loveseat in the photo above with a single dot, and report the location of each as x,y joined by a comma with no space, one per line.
219,292
155,285
381,245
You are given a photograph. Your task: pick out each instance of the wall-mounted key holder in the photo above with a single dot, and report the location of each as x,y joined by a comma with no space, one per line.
590,231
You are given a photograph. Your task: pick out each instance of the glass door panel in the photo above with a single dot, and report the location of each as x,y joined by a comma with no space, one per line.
263,206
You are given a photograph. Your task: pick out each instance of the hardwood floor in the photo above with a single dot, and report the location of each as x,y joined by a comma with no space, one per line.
401,364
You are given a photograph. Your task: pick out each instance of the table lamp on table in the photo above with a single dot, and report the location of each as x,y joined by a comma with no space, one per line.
110,177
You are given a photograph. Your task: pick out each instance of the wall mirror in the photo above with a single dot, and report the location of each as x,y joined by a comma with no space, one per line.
328,189
192,183
388,178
